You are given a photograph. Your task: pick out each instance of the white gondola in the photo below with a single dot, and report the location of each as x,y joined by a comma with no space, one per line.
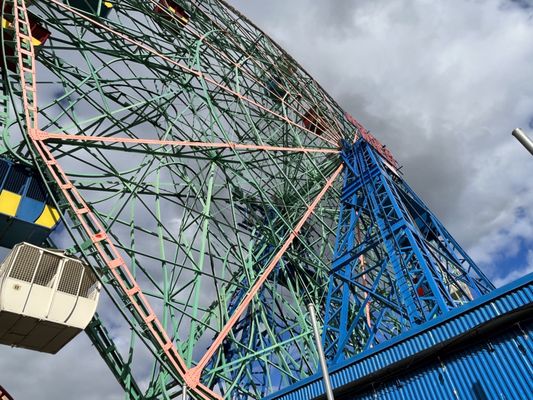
46,298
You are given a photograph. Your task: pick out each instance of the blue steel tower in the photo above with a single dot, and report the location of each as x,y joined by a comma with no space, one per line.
395,266
408,314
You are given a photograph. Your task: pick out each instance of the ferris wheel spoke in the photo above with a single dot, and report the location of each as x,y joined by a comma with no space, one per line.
177,143
252,74
107,114
194,374
189,70
196,148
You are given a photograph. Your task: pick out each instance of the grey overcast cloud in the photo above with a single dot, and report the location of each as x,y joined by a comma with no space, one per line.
441,83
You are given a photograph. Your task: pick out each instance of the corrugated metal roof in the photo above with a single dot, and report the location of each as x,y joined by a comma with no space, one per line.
502,374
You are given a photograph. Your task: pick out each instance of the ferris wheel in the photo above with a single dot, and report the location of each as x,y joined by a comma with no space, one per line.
195,167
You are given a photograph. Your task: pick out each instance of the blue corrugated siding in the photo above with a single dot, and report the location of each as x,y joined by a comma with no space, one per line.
500,368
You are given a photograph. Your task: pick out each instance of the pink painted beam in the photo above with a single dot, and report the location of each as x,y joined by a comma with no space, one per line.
192,71
219,145
90,223
193,375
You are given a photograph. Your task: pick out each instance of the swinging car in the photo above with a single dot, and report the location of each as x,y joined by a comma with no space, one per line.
39,35
46,298
27,213
169,8
313,122
98,8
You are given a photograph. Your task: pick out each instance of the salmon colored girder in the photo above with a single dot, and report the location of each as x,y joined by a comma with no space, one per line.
4,394
333,140
181,143
95,231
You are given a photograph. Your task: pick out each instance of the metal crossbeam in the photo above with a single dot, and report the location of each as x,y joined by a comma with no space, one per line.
394,265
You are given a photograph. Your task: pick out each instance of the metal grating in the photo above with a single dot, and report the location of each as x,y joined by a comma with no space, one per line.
25,263
4,167
36,190
70,277
15,180
47,270
88,284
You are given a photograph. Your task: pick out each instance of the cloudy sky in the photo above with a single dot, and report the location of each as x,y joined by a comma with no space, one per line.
441,83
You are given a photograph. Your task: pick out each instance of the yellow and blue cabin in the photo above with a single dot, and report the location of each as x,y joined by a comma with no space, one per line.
39,36
27,213
98,8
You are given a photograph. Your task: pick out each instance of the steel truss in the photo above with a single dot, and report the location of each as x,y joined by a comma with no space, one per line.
395,266
196,166
156,139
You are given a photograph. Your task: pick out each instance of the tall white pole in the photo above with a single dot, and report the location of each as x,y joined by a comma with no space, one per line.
318,340
522,138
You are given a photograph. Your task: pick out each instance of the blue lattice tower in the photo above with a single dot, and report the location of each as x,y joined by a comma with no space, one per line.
395,266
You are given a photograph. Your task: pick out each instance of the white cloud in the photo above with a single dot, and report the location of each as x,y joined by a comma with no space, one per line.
518,273
76,372
443,85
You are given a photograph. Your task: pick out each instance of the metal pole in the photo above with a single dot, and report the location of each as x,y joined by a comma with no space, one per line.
184,392
522,138
325,374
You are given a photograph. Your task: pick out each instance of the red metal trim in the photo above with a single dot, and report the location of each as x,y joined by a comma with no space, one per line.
192,71
375,143
116,264
90,223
